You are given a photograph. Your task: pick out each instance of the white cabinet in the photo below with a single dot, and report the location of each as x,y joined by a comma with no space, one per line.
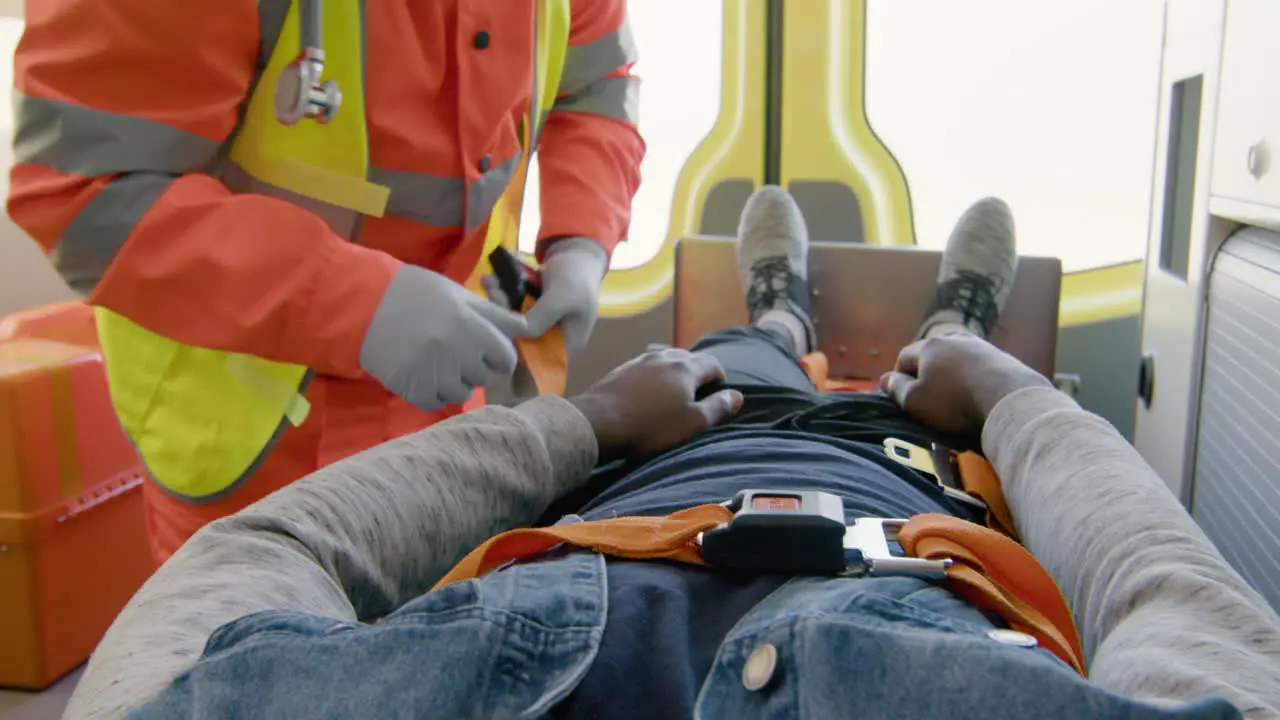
1181,241
1246,153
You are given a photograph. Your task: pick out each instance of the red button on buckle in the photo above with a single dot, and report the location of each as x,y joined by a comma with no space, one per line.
775,503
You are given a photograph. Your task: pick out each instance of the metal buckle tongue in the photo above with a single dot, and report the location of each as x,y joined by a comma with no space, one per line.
938,463
866,549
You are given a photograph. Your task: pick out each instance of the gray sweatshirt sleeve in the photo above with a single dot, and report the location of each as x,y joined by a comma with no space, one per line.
1161,614
352,541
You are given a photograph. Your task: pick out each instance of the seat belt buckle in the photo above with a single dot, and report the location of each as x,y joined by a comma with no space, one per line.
867,552
517,280
803,532
777,531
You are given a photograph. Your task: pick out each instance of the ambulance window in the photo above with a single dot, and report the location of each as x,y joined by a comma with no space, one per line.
10,33
1051,106
679,69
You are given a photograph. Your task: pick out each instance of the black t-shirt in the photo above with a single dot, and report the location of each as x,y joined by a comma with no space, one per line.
666,620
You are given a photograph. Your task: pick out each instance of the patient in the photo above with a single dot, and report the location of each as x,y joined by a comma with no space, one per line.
270,612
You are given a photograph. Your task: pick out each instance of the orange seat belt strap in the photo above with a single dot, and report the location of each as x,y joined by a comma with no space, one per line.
673,537
996,574
545,358
818,369
979,479
989,570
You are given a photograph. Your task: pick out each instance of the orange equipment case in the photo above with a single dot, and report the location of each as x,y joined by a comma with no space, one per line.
73,541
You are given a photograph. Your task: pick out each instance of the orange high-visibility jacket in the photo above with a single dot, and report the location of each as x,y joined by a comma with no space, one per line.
123,104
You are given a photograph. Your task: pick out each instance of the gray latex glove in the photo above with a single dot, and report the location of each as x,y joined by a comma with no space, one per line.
432,341
572,269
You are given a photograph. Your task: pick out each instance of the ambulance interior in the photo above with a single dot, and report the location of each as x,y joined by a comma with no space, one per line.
1136,143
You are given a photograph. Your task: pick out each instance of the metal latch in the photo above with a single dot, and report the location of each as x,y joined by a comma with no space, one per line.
516,279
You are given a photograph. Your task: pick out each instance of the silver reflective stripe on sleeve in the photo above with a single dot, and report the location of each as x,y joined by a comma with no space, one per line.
586,64
617,98
75,140
91,241
78,140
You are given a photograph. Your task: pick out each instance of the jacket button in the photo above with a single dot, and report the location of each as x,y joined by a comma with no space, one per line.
759,668
1013,637
486,162
481,40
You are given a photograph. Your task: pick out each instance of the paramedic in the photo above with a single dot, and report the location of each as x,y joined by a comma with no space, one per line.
261,614
133,173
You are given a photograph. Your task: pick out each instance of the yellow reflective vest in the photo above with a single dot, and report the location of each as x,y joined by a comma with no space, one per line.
203,420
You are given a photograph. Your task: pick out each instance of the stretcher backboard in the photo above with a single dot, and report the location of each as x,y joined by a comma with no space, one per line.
868,301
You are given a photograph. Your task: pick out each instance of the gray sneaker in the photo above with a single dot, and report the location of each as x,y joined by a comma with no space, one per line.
773,258
978,269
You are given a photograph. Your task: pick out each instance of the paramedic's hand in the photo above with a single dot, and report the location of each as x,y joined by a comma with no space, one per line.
952,383
432,341
571,271
648,405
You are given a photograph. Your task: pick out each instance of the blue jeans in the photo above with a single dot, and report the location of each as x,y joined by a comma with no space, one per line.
515,643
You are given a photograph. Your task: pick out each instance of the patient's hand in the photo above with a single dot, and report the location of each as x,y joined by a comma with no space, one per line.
647,405
952,383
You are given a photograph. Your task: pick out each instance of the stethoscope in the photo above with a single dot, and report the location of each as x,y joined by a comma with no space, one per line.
300,92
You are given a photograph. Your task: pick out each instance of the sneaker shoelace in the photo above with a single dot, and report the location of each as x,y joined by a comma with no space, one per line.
773,286
776,286
973,295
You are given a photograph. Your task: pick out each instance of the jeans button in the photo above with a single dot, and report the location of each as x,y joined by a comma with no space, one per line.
759,668
1013,637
